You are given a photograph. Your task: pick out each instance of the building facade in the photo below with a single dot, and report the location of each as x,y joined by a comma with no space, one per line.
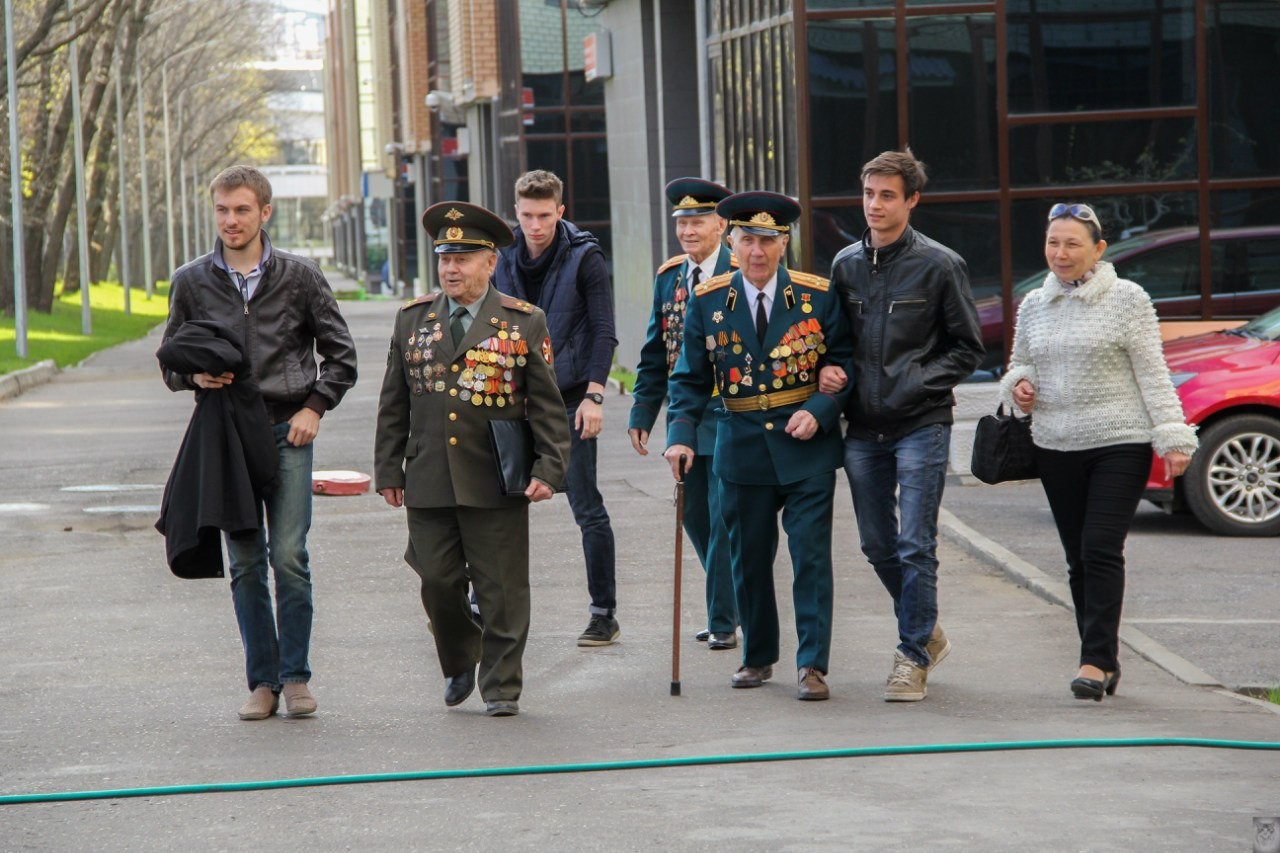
1157,112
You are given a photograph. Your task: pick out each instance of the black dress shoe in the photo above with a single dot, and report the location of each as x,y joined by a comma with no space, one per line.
501,708
1092,688
459,687
702,636
722,640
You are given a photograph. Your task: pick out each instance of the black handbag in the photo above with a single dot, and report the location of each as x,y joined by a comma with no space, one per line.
512,442
1003,449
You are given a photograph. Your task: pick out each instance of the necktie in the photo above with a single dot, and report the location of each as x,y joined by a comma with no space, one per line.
762,319
695,277
455,325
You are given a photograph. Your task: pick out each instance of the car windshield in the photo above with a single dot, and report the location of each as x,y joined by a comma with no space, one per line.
1265,328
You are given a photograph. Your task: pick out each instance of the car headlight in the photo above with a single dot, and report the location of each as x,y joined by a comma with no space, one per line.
1180,378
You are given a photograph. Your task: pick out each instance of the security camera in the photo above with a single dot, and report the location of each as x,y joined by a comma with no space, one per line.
435,99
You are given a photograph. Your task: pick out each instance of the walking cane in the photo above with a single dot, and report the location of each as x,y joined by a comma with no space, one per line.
675,613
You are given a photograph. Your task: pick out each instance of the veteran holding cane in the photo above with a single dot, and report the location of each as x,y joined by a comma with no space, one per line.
759,337
460,357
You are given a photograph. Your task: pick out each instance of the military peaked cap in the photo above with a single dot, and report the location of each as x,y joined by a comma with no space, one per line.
460,227
694,196
760,213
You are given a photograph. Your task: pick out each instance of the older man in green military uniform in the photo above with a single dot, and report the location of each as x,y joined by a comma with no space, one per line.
759,337
699,229
461,357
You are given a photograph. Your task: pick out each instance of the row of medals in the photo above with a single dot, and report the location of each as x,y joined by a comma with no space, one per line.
488,379
794,358
673,326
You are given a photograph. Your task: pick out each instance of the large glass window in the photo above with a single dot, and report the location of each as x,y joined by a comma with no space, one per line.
559,108
1138,151
952,72
1114,55
1235,208
853,109
749,49
1244,43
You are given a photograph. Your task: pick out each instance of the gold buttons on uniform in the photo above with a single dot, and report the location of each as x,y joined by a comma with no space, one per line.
455,368
453,392
453,439
453,416
768,425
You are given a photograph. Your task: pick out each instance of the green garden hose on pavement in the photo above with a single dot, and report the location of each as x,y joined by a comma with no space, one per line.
641,764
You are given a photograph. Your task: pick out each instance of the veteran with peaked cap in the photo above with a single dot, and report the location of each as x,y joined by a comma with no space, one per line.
700,231
757,337
460,357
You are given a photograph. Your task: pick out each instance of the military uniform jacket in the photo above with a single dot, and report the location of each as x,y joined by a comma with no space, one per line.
661,348
436,402
759,382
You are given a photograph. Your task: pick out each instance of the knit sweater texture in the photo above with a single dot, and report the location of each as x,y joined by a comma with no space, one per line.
1093,354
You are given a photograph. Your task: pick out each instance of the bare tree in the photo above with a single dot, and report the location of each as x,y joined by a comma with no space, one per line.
135,39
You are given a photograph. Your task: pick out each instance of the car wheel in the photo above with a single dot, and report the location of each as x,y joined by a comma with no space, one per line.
1233,483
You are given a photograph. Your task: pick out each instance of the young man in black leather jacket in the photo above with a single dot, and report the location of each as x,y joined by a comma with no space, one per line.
916,336
286,314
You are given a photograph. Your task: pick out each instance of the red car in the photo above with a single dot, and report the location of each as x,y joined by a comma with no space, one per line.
1229,383
1244,264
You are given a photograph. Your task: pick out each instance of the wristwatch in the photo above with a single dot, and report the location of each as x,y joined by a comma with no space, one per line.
595,397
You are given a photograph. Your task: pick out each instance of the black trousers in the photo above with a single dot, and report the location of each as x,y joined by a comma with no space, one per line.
1093,495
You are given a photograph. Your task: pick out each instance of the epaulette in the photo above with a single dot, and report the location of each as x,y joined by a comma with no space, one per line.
673,262
811,281
421,300
733,261
517,304
713,283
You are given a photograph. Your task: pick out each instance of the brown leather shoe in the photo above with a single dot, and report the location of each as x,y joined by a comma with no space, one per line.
751,676
298,701
262,703
811,684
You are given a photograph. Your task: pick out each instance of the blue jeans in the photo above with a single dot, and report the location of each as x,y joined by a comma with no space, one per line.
897,490
593,520
276,647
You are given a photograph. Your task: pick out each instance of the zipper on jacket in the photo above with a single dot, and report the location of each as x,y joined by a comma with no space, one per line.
891,304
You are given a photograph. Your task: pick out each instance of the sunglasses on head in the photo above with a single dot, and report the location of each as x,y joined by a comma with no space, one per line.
1083,212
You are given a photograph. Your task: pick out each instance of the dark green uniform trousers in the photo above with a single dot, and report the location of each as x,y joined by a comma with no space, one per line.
443,542
704,522
752,511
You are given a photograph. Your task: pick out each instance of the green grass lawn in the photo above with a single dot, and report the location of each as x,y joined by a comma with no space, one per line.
57,335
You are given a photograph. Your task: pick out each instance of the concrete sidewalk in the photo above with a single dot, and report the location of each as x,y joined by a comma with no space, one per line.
114,674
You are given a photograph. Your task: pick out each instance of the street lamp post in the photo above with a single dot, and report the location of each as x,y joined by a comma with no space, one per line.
146,197
124,218
82,215
15,189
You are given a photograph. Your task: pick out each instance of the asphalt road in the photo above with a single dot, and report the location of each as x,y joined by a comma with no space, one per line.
114,674
1213,600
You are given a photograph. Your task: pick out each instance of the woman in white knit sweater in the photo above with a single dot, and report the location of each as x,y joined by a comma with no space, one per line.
1087,362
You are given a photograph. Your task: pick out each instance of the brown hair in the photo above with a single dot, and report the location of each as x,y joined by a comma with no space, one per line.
235,177
539,184
901,163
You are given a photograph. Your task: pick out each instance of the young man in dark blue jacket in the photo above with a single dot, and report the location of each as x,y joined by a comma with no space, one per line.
561,269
